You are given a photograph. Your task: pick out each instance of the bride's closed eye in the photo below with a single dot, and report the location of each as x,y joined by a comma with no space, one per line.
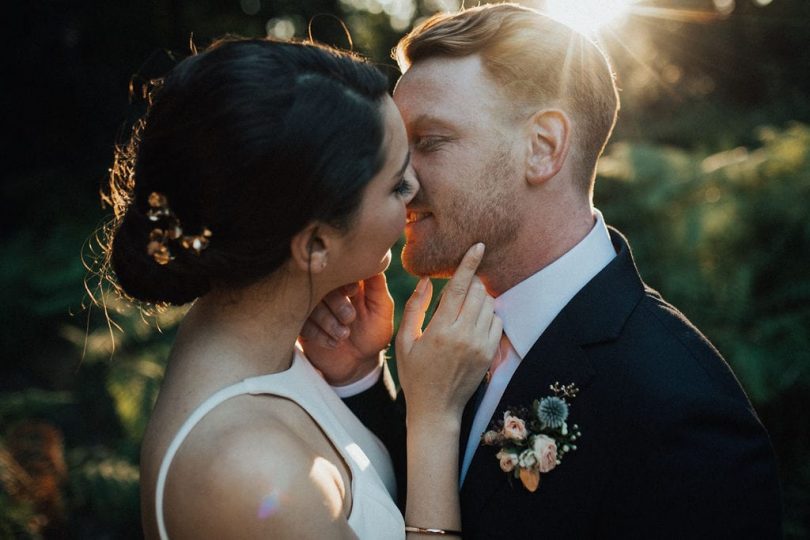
404,187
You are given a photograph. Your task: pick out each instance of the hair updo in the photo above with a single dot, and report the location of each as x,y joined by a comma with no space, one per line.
252,139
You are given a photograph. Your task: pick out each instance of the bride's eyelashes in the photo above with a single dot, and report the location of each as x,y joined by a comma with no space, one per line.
404,187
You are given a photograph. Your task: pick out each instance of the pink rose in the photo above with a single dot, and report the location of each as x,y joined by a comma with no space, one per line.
508,460
546,451
513,427
491,437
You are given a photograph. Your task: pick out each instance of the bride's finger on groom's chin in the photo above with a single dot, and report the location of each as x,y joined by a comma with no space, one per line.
455,292
413,316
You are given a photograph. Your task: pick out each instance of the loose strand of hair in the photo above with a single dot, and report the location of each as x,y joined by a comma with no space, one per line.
311,38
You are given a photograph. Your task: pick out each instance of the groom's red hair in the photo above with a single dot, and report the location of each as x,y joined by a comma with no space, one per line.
538,61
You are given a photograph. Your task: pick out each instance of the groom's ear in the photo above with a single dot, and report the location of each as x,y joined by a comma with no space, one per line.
549,133
310,248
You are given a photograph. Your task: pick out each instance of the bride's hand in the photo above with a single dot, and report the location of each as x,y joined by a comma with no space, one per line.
366,318
440,369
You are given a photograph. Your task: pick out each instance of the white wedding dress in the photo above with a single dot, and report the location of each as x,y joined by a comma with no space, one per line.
373,514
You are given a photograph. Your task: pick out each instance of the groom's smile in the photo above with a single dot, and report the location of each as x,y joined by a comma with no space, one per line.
468,169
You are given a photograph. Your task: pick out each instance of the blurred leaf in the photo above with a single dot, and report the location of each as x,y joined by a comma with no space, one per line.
105,488
31,403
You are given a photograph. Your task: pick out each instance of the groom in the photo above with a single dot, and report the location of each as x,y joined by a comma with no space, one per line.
507,112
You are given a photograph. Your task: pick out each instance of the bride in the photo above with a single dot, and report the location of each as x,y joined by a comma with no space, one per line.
263,176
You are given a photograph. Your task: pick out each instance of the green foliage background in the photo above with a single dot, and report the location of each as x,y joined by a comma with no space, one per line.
708,175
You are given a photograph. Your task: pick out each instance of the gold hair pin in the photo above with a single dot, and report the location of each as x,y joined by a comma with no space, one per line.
160,237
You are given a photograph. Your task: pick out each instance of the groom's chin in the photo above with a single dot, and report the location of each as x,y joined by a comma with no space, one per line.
423,265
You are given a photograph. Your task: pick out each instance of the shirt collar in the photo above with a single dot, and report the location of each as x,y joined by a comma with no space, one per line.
530,306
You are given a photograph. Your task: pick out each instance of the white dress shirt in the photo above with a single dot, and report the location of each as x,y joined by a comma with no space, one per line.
358,387
528,308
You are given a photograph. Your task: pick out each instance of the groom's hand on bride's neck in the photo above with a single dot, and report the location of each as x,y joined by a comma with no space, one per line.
348,330
328,324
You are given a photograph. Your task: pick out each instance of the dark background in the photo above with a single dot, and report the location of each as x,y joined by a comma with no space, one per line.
708,174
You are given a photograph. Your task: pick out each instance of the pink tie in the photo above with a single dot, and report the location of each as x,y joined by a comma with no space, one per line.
500,357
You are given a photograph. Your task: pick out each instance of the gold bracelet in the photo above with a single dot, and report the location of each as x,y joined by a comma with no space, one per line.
440,532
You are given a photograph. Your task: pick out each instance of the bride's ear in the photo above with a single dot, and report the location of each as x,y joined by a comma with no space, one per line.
310,248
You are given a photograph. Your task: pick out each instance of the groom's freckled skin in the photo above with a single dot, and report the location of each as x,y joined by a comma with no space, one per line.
466,154
463,144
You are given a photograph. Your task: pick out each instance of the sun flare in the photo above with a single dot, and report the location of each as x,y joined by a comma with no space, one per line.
588,16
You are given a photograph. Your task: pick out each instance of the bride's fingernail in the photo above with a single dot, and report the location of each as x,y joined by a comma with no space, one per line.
479,249
332,342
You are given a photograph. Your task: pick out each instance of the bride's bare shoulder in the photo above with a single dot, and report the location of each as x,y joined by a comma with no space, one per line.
248,473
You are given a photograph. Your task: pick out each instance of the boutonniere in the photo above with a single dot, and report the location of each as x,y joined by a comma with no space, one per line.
534,441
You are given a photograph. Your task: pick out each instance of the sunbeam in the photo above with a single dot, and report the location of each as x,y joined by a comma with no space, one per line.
588,16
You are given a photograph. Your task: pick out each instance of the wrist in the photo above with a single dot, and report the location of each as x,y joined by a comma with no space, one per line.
423,411
362,370
434,424
359,386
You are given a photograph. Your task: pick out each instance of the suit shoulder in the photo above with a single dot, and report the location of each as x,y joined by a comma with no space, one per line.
674,322
666,358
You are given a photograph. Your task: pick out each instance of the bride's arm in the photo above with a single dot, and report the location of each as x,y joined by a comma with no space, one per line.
258,480
439,370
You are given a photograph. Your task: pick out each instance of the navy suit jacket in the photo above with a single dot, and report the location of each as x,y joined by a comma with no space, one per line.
670,448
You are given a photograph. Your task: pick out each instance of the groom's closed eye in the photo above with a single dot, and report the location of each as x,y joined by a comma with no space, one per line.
429,143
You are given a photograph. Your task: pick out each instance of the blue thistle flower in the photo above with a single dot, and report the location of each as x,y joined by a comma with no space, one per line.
552,412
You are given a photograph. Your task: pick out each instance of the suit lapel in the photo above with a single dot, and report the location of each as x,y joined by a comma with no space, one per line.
552,359
467,417
596,314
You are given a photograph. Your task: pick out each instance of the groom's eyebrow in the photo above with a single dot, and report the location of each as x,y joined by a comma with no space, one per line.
427,120
404,166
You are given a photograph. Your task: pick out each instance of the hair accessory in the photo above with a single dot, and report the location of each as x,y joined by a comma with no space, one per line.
437,532
159,238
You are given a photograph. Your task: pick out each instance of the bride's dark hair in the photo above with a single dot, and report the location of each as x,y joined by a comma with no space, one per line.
252,139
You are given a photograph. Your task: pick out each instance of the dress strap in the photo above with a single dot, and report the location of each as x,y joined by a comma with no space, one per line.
207,406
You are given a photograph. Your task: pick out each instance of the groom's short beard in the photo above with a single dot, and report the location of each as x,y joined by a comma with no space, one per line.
489,215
